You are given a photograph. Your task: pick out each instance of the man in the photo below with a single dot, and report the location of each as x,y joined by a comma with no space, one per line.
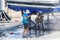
25,23
39,22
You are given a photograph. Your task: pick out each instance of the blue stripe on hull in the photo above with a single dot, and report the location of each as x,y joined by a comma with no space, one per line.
19,8
57,10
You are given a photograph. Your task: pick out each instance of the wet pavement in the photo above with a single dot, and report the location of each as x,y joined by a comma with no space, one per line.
17,31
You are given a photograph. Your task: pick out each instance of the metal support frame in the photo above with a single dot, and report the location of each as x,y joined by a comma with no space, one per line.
48,22
0,15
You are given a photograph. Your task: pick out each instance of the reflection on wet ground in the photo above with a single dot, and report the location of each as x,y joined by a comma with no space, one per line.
16,32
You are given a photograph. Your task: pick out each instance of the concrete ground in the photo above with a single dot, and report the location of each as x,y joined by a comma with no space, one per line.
52,34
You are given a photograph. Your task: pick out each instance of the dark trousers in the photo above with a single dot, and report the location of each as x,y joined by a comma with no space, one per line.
40,27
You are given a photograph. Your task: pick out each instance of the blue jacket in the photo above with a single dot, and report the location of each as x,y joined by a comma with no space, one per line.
25,18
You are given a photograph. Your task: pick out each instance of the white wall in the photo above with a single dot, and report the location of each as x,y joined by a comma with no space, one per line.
41,1
2,4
